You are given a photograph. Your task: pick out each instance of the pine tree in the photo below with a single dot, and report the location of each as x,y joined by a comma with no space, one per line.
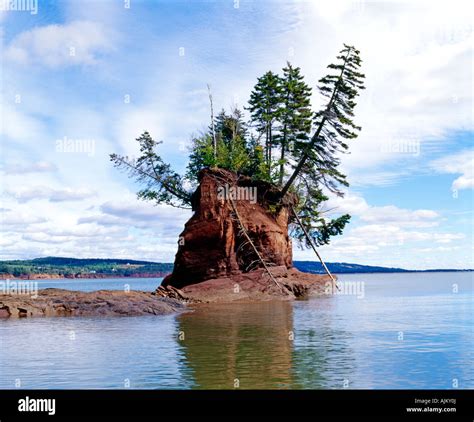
257,168
333,123
230,150
264,105
318,161
231,134
281,114
162,184
295,114
203,153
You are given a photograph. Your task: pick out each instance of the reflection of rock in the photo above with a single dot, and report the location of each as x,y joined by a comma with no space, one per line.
58,302
245,343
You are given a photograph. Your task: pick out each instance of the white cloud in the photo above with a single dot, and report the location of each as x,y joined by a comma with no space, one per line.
417,59
459,163
35,167
18,125
394,246
389,235
79,42
30,193
393,234
393,214
356,205
19,218
169,220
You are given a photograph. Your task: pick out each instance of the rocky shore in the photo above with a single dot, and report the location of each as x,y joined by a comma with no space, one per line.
287,284
253,286
59,302
231,250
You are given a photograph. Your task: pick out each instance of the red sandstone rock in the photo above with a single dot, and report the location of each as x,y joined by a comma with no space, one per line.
212,245
216,263
254,286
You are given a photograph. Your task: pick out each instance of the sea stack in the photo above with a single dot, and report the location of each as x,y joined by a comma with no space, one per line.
237,242
212,244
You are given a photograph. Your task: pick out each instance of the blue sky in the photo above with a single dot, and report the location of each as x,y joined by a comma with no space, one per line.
101,72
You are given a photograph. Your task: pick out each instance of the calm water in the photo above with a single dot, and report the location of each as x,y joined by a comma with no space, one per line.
407,331
91,284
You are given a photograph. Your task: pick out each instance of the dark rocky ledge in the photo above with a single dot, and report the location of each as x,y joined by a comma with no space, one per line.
59,302
288,284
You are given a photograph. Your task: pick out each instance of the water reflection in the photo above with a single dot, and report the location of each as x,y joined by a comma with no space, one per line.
322,354
249,345
257,346
338,341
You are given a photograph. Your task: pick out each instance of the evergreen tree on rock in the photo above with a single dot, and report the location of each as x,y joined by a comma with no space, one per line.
288,153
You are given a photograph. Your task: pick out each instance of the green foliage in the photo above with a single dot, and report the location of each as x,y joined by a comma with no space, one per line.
295,116
257,167
319,228
70,267
281,121
264,108
280,111
233,151
201,156
162,184
319,156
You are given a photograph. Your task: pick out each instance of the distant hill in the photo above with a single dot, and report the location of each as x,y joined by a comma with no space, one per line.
59,267
81,268
344,267
53,260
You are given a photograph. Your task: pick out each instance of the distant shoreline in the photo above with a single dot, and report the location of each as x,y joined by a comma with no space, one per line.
162,275
98,268
79,276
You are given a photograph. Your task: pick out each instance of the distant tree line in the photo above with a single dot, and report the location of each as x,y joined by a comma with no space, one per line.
70,267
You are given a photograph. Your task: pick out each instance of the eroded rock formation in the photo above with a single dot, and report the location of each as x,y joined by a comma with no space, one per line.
215,259
212,244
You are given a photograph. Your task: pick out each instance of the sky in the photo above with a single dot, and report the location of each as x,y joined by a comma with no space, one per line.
96,74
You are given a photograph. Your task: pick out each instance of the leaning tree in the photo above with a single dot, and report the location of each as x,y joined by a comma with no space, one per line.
287,154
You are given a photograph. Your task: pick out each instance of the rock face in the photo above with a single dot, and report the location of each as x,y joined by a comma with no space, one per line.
253,286
59,302
212,244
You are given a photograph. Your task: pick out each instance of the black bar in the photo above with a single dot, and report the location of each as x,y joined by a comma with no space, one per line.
385,404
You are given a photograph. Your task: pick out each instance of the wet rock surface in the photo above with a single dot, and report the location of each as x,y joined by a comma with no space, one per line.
59,302
286,284
252,286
